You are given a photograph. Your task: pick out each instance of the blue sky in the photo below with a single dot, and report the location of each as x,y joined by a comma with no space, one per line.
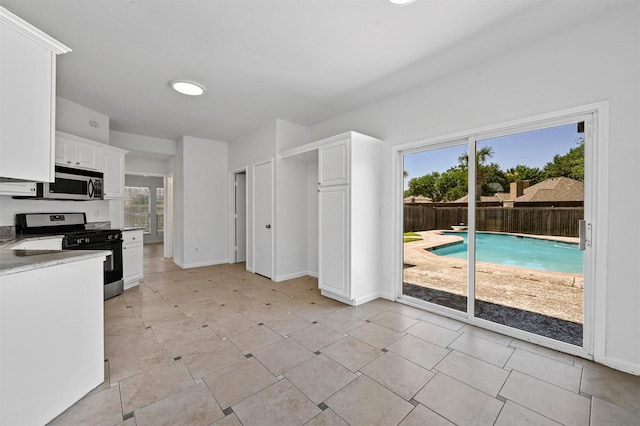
534,149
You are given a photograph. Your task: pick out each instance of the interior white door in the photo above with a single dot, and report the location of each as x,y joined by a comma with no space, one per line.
262,219
241,217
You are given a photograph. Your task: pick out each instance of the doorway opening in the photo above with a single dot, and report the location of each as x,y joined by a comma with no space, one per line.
491,228
240,217
144,205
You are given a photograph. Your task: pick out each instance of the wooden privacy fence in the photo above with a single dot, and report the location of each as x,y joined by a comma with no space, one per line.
559,221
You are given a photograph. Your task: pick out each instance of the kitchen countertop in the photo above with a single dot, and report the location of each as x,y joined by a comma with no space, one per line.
7,243
15,261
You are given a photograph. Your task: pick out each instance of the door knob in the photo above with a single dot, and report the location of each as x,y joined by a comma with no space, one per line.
268,226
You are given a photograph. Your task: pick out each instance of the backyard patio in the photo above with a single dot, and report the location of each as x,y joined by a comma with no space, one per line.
542,302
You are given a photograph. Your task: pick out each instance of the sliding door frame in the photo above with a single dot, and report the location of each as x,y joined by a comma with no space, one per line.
596,117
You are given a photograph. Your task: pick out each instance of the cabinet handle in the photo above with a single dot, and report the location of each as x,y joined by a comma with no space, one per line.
124,248
33,189
69,162
77,163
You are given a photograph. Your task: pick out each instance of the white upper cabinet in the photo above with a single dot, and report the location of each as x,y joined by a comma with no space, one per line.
333,164
113,169
27,99
20,188
80,153
77,152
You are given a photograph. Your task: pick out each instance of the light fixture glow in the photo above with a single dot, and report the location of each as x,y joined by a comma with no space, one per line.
402,2
187,87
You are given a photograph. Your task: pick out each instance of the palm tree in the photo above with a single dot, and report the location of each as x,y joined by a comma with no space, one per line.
482,155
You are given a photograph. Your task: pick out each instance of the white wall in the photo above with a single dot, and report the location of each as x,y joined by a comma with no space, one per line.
74,119
139,143
147,155
177,164
595,61
146,166
96,211
200,208
290,205
290,193
312,218
256,147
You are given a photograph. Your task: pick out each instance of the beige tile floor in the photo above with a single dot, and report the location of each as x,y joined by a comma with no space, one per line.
220,346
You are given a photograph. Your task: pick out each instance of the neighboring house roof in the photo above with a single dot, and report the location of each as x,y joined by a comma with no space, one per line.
465,199
554,189
417,199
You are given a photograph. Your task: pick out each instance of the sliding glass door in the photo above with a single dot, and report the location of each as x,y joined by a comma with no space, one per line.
436,193
492,228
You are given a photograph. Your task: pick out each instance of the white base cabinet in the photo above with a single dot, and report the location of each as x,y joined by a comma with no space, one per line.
349,224
132,257
52,352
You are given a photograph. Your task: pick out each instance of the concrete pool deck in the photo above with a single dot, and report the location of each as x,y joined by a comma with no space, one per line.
553,294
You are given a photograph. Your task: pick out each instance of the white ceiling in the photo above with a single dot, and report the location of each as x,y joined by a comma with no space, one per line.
303,61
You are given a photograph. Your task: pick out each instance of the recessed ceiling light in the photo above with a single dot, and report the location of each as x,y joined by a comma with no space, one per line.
402,2
187,87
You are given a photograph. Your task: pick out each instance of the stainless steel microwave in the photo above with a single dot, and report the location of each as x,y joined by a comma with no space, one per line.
72,184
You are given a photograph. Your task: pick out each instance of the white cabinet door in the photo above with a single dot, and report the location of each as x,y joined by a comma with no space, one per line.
333,238
132,263
333,164
24,189
86,156
132,257
25,107
27,100
80,153
113,185
64,152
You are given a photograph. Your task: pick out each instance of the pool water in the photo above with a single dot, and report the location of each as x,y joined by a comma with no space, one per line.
524,252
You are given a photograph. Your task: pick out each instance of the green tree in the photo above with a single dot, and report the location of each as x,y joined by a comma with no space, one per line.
453,183
570,165
425,186
494,179
522,172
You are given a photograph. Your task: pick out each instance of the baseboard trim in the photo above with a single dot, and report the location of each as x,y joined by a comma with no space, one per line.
202,264
368,298
621,364
295,275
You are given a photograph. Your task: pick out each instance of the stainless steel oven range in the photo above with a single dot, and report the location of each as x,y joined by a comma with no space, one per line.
76,237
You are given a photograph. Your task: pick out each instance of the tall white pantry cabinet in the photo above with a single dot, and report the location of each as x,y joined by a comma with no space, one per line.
349,217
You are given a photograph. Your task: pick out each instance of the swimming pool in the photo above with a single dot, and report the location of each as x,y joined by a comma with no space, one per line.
524,252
